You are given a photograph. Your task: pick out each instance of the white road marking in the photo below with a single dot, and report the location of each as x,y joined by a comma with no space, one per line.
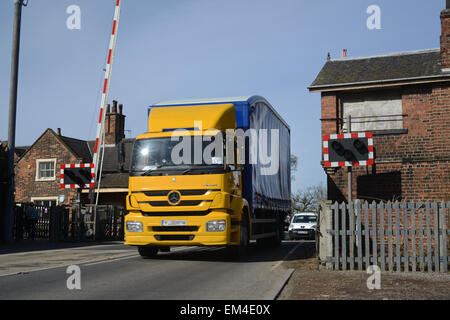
52,267
285,257
86,263
109,260
128,257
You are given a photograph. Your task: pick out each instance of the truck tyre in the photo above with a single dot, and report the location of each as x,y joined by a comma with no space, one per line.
240,251
148,252
276,240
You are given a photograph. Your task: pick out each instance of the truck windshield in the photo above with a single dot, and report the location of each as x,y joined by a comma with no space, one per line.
158,155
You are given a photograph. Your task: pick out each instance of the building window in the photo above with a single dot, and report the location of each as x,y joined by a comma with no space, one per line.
373,112
45,201
45,170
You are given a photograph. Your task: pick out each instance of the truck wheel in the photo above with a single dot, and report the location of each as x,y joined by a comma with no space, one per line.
148,252
240,251
276,240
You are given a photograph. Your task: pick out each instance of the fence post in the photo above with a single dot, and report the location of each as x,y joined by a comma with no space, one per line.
413,236
51,226
359,211
428,232
442,238
436,236
351,215
373,206
325,237
381,206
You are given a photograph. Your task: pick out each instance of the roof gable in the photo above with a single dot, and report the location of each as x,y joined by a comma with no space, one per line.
79,147
68,143
383,68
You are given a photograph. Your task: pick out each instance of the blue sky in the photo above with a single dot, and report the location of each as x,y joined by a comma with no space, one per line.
182,49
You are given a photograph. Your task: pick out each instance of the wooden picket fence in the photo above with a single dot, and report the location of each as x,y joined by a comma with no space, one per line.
396,236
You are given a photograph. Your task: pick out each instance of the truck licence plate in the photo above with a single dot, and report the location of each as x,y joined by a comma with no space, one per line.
173,223
302,232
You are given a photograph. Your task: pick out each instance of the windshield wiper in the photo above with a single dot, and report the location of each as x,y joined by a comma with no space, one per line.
149,171
187,171
198,166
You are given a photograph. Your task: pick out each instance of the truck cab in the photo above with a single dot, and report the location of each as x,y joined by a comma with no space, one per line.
186,185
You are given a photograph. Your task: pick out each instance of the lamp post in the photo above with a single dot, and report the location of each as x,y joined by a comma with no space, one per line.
8,216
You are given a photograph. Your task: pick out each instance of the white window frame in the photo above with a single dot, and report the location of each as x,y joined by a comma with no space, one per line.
33,199
376,112
38,161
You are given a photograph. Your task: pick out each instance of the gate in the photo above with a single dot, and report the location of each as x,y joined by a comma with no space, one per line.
99,222
53,223
396,236
109,222
73,223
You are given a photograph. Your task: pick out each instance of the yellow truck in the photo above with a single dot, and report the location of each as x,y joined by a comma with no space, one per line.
209,173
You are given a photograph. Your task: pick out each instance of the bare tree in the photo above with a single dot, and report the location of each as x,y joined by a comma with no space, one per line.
308,199
294,162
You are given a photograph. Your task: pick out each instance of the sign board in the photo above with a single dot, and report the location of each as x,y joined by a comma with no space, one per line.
348,150
77,176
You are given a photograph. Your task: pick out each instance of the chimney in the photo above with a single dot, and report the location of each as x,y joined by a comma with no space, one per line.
445,38
59,131
114,108
114,124
344,53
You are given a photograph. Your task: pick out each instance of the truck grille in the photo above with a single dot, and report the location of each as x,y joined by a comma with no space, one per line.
182,203
175,228
174,213
163,193
174,237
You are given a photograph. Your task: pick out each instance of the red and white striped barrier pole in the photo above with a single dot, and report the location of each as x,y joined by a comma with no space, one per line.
104,101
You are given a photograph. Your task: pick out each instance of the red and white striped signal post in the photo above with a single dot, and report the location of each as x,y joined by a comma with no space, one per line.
101,120
348,150
106,84
366,158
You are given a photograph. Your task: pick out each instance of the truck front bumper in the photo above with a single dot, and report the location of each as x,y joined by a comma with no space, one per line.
193,233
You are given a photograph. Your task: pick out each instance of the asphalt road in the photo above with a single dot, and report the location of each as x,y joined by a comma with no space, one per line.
118,272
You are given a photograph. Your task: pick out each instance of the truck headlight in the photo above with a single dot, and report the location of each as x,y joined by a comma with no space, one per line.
216,225
135,226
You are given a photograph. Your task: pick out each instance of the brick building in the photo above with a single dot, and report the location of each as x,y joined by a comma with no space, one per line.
404,99
38,166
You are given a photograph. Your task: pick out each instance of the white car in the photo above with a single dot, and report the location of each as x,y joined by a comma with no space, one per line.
303,226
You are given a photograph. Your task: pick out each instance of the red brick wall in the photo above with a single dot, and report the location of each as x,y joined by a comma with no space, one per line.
47,147
445,39
411,166
329,113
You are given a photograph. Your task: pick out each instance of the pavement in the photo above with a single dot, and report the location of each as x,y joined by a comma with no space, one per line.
309,283
42,245
115,271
